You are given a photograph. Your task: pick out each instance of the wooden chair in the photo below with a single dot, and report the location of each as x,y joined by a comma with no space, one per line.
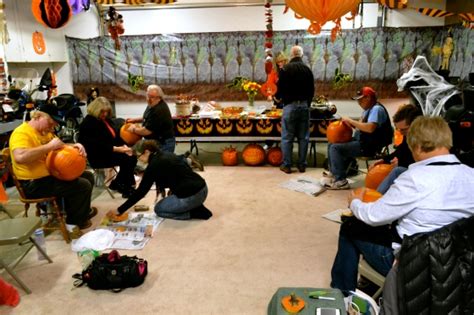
52,200
19,231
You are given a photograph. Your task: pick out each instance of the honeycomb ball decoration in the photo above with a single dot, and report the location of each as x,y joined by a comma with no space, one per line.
274,156
130,138
253,154
66,163
338,132
376,175
370,195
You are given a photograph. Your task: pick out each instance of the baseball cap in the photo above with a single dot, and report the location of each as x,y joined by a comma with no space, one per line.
365,91
52,111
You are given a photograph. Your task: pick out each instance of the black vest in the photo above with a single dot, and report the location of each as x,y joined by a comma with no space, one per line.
372,143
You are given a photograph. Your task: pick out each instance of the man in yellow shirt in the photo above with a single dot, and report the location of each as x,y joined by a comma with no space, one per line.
29,144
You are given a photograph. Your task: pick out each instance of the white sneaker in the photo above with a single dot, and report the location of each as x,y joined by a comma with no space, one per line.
328,174
339,185
326,181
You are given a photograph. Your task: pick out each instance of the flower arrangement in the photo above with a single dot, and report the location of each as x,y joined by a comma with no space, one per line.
248,86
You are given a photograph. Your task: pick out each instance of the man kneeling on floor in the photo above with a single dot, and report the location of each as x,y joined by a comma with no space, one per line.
188,190
435,191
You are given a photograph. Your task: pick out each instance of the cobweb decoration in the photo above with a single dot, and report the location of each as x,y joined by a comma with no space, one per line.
434,94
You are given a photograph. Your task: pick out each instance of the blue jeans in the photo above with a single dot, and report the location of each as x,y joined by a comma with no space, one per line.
345,268
176,208
168,145
391,177
295,123
340,155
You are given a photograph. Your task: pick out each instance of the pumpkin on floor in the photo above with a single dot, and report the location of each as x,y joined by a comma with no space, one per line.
338,132
253,154
66,163
130,138
274,156
230,156
376,175
370,195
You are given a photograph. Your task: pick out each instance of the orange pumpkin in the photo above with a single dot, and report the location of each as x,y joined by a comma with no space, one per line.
130,138
370,195
397,138
66,163
338,132
292,303
229,156
274,156
376,175
253,154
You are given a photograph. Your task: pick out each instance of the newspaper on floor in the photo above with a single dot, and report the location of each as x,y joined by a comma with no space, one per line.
135,232
335,215
305,184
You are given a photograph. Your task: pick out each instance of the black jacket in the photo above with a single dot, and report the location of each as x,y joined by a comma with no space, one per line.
436,271
295,83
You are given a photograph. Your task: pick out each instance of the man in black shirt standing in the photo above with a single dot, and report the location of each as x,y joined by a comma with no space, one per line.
296,90
157,123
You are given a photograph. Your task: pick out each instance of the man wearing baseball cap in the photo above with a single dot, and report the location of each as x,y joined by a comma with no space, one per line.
29,145
373,132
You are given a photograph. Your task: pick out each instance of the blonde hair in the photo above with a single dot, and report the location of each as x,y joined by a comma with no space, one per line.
281,57
37,114
99,105
429,133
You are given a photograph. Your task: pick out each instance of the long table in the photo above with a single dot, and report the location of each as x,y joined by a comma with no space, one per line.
195,130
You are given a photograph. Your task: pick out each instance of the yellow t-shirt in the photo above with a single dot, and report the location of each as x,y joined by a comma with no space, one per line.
25,136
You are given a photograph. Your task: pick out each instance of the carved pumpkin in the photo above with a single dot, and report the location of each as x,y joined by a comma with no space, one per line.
274,156
229,156
323,127
244,126
66,163
278,125
204,126
264,126
130,138
39,45
53,14
376,175
292,303
224,126
253,154
397,138
184,127
338,132
370,195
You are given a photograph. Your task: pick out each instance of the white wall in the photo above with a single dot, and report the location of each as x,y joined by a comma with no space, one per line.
237,18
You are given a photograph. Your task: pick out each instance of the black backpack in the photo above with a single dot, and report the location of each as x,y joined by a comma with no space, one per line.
110,271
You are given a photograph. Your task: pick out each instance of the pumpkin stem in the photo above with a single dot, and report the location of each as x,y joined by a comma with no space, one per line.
293,300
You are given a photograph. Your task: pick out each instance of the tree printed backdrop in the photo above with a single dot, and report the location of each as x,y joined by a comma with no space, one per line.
201,64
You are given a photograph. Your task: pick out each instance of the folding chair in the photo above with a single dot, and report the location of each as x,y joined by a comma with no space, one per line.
52,200
369,273
19,231
101,180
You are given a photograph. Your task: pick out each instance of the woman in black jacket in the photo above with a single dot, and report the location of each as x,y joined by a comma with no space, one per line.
104,147
187,190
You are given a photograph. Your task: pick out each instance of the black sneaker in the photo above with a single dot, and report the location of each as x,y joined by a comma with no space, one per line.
201,213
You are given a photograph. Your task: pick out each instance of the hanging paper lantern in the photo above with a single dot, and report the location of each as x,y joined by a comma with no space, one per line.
51,13
78,6
319,12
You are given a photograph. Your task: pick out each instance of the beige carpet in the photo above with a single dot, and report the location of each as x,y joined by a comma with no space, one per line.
261,237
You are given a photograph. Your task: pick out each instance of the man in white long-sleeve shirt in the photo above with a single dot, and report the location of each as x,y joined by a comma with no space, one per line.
435,191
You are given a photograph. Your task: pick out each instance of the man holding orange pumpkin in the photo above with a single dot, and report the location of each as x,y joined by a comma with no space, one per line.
29,145
373,132
435,191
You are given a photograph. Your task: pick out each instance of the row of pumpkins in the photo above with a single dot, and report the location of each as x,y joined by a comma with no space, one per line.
67,163
253,155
